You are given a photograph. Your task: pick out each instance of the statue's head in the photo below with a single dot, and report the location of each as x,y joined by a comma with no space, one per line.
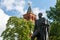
40,15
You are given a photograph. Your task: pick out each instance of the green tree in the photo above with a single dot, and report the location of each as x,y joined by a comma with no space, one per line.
17,28
58,9
55,31
54,14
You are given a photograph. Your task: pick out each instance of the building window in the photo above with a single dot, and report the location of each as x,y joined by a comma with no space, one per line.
32,18
28,17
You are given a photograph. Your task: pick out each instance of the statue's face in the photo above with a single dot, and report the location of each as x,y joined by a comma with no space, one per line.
40,15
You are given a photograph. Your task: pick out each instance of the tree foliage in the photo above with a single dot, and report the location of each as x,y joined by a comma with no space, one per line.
54,14
55,31
17,28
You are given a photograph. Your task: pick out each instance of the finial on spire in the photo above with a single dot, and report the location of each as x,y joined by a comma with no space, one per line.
29,8
29,3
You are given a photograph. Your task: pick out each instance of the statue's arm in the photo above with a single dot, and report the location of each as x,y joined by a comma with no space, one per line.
47,25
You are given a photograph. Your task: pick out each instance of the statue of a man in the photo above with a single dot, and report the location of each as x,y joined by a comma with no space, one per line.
40,28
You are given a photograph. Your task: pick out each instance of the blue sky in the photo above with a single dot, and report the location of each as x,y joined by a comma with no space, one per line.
18,8
10,8
43,4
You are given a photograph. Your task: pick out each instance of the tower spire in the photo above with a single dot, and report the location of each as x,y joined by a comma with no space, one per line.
29,8
29,15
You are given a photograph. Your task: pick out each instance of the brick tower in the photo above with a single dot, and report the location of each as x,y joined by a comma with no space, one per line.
29,15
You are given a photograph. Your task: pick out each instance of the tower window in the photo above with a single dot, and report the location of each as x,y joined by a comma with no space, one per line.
28,17
32,18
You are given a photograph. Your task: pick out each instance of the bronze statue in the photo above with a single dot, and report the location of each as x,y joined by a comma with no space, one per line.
41,28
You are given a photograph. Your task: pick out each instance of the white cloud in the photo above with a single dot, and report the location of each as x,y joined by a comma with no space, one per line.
3,21
37,10
8,4
19,6
44,13
1,38
14,4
